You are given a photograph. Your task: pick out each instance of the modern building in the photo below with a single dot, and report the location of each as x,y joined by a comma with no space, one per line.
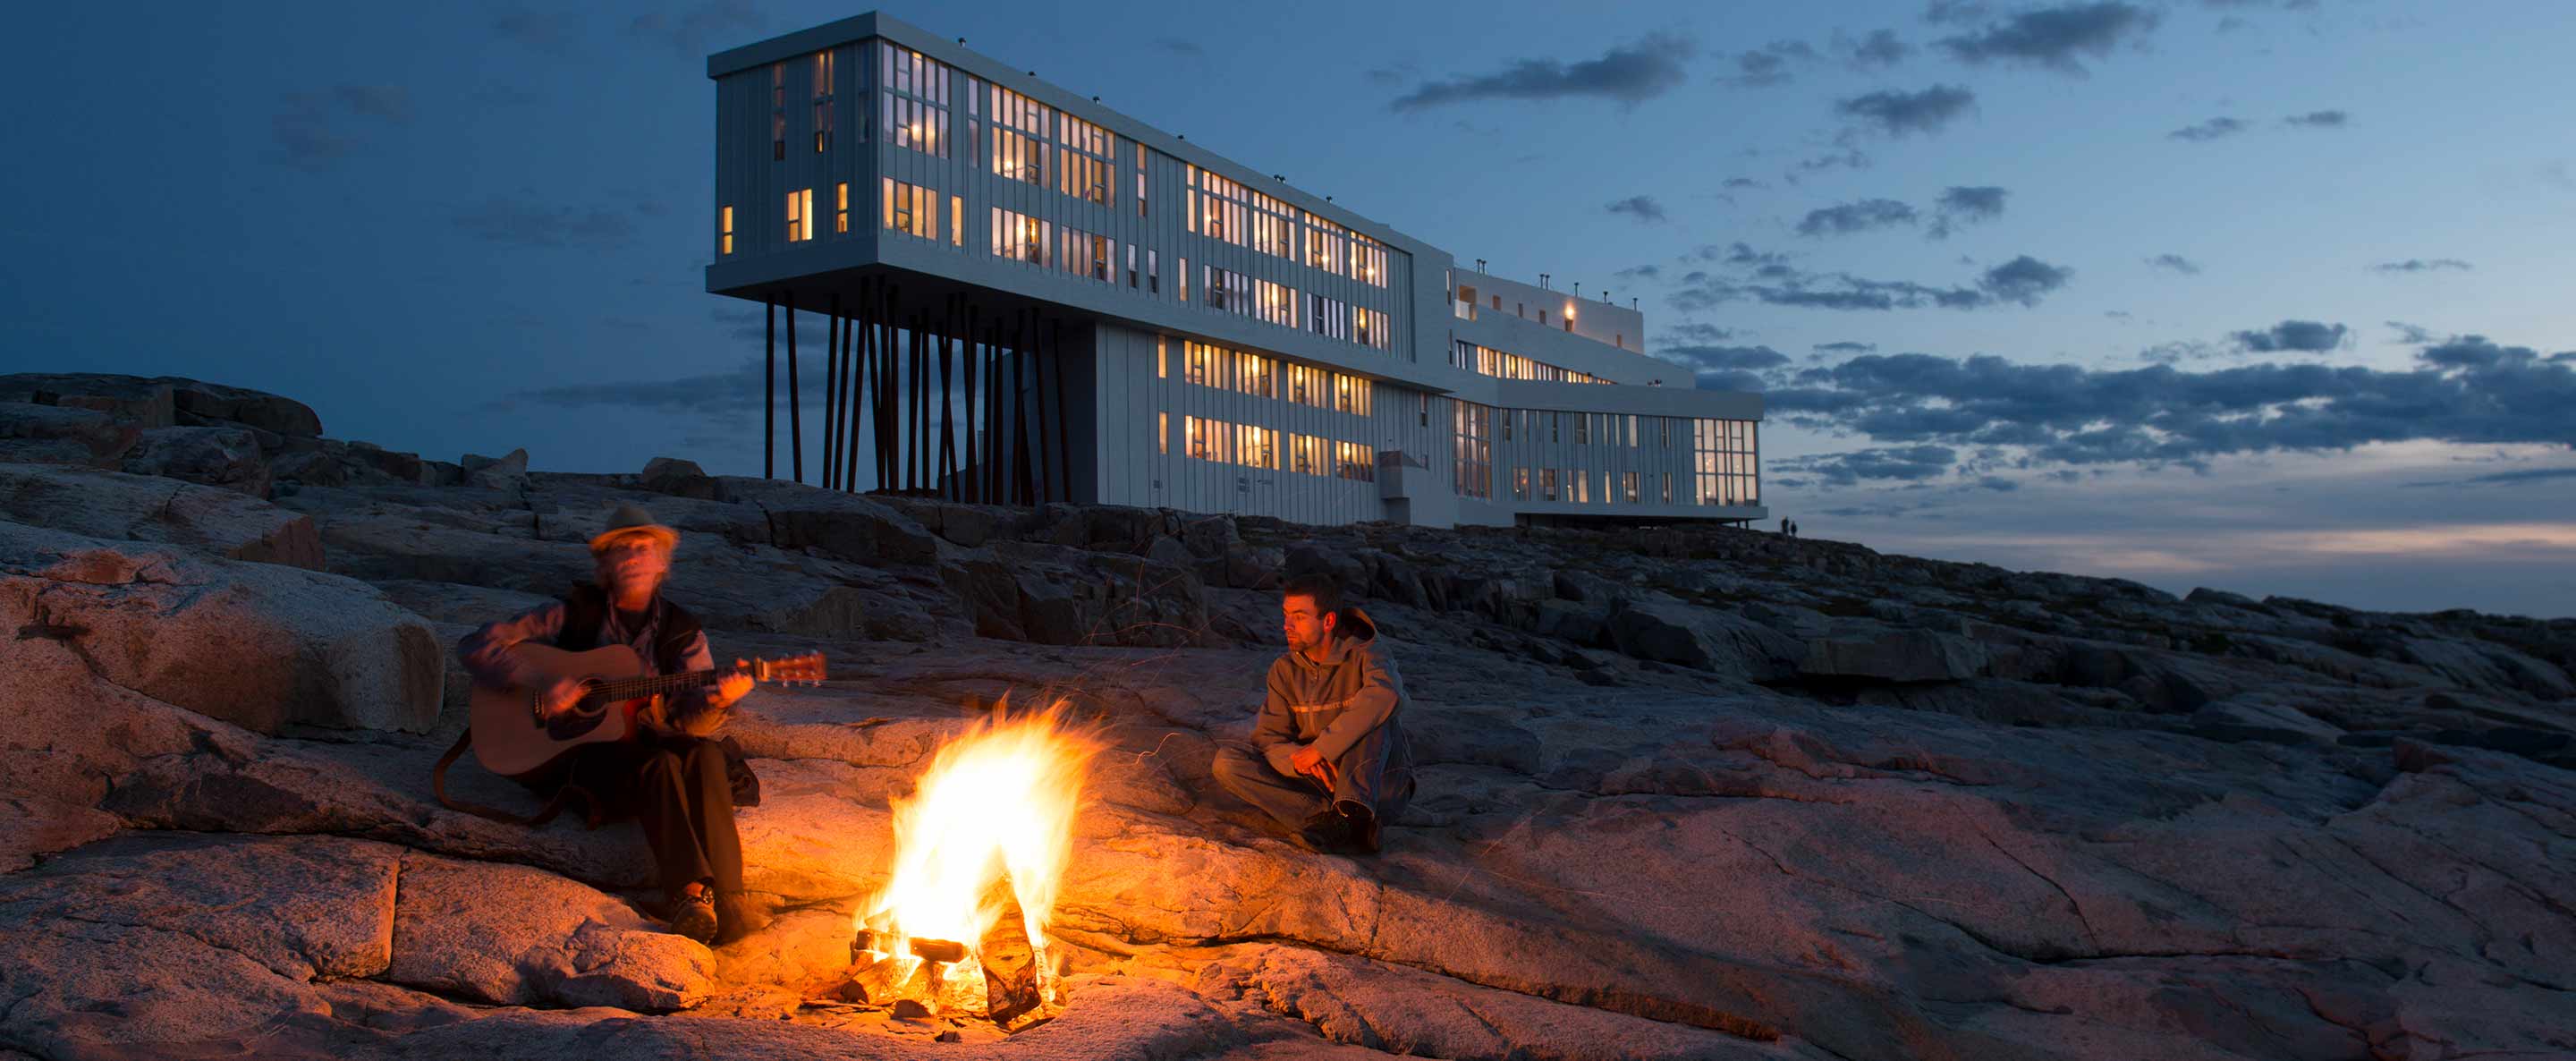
1177,329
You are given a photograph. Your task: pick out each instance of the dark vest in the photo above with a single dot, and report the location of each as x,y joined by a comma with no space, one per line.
586,613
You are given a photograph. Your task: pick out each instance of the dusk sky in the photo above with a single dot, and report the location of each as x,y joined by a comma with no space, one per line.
2270,297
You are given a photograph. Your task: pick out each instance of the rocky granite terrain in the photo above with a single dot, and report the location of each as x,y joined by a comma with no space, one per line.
1686,793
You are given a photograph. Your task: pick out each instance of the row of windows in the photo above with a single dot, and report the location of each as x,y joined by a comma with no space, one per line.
914,210
1611,429
1575,485
1259,447
1215,366
1219,208
1723,454
1492,362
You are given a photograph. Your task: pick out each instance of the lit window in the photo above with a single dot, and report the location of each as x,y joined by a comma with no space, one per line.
727,246
1163,433
800,215
957,220
841,206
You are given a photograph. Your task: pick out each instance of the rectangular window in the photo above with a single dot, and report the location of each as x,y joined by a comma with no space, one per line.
1368,260
1021,129
1371,328
1583,429
1352,460
1256,375
1185,279
726,231
914,106
800,215
1520,484
1668,488
1086,254
823,103
911,209
1256,447
1162,358
1424,398
1306,454
1154,272
1547,484
1578,486
1227,290
1090,156
1209,440
1328,317
1475,456
1140,182
1198,364
1275,303
957,221
841,207
1350,394
1628,486
777,112
1723,463
1163,434
1022,238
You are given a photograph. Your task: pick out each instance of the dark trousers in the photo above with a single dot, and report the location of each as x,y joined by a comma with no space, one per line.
1267,781
677,789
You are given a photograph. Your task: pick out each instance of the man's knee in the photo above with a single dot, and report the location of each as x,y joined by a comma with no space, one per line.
661,767
1236,764
705,756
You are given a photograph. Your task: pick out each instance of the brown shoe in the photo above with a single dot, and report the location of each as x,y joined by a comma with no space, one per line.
694,916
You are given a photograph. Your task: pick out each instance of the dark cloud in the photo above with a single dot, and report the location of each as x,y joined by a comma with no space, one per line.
2464,390
1706,359
1769,64
696,28
1642,207
314,130
546,31
2053,37
2411,335
2174,262
1895,462
717,394
1640,272
1898,113
1848,158
1877,51
1846,347
1861,216
1965,205
1699,333
1955,12
2420,265
2293,337
2024,280
1630,74
1180,46
2523,475
533,225
1741,182
2208,130
2319,119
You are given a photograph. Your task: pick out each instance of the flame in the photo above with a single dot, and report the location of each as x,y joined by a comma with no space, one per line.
997,799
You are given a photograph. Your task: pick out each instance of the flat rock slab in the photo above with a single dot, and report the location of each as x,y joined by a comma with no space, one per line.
514,935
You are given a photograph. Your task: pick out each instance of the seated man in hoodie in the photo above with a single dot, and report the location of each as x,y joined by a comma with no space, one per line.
1327,757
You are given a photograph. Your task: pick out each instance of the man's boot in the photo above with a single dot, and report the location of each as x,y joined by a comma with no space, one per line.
1326,832
694,916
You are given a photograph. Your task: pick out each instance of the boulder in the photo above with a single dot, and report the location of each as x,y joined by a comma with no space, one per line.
506,472
847,526
679,478
1893,655
519,936
132,400
49,434
260,645
228,457
114,505
1669,631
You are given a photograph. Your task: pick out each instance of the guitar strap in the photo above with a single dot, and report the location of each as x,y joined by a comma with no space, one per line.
563,794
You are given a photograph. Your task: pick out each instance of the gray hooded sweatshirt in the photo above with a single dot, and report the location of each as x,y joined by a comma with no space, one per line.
1336,703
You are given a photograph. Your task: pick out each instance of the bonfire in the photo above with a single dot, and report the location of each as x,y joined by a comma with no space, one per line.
980,852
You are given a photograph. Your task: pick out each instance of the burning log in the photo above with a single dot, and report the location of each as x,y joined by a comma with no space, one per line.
1017,986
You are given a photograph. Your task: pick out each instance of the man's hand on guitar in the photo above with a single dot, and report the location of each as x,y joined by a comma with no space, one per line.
733,686
559,697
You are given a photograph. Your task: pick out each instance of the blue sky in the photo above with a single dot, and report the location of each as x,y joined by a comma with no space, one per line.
2197,310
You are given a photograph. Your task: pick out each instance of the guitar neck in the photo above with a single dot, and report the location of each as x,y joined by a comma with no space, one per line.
639,688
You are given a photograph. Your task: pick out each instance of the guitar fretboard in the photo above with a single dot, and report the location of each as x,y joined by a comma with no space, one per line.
639,688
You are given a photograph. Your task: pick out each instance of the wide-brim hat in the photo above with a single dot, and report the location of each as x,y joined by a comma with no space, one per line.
632,519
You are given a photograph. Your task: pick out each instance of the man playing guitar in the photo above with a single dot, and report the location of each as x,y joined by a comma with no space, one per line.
671,775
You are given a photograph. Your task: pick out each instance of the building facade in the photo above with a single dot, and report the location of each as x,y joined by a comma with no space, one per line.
1176,329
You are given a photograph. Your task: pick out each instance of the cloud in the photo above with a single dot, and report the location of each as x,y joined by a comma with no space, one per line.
1861,216
532,225
2024,281
2524,475
1846,347
1898,113
1904,463
311,130
1640,272
2052,37
1699,333
2208,130
1741,182
1629,74
2174,262
1642,207
2464,390
1848,158
1877,51
2318,119
1769,64
546,31
1707,359
694,28
2293,336
2419,265
718,395
1183,47
1965,205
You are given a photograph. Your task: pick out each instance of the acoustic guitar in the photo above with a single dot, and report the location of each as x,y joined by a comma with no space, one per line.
512,735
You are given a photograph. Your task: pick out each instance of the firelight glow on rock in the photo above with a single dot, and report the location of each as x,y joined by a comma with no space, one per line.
997,802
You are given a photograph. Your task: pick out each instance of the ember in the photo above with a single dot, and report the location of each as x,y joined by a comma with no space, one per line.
980,851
